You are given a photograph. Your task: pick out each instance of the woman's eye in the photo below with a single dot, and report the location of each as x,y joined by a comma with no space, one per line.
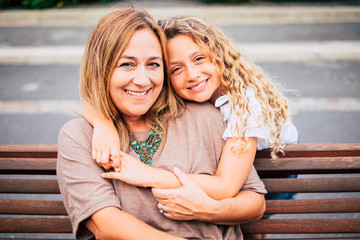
154,64
126,64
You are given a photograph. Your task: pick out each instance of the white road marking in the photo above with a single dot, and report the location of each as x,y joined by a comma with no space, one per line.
264,52
73,107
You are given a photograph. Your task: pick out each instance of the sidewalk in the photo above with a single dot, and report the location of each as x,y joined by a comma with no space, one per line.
219,14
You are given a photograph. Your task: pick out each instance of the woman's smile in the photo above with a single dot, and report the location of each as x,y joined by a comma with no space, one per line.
137,94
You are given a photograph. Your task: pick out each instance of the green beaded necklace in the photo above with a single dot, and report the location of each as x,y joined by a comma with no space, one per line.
146,148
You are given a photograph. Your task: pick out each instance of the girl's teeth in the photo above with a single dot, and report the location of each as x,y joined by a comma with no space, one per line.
198,86
136,93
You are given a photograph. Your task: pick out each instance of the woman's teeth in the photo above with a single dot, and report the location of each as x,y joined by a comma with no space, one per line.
136,93
199,85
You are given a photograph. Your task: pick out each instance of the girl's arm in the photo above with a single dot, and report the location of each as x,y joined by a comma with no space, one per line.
112,223
233,170
105,141
231,174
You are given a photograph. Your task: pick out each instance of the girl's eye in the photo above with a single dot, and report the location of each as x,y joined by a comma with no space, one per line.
199,58
175,70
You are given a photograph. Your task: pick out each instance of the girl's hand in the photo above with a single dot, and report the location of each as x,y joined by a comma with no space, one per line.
105,143
130,170
189,202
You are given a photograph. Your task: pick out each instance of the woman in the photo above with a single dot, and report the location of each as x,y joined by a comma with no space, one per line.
123,75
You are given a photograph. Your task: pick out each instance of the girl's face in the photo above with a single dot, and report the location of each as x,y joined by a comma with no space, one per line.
138,78
193,75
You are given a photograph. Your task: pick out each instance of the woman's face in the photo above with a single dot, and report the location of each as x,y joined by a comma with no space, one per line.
138,78
193,75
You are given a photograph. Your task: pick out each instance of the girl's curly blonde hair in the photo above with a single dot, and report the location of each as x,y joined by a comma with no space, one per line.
237,74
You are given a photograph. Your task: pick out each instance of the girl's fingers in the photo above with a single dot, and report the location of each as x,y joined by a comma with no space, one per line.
93,154
110,175
98,158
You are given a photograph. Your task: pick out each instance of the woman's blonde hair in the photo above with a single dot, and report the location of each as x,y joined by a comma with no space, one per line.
236,74
106,44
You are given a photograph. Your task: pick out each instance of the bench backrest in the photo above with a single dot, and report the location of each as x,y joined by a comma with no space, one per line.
328,187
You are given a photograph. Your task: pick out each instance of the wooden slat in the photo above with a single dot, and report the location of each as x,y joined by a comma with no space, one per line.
35,225
43,238
300,185
308,165
291,150
302,226
312,185
32,207
340,205
317,150
25,151
49,186
28,166
297,238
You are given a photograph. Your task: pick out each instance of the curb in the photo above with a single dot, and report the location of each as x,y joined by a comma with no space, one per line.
217,14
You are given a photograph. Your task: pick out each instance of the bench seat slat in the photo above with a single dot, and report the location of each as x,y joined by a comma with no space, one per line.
340,205
35,225
308,165
302,226
291,150
297,238
317,150
345,205
301,185
32,151
49,186
32,207
312,185
28,166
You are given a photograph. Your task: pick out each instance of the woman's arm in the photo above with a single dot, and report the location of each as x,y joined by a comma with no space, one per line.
105,141
190,202
112,223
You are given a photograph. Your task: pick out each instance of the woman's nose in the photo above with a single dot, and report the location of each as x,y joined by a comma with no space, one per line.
141,76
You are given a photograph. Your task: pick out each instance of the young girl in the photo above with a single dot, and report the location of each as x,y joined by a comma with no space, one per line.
205,66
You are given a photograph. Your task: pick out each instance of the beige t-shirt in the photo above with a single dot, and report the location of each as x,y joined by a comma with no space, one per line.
194,144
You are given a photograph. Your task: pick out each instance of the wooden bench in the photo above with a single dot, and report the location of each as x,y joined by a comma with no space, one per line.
30,201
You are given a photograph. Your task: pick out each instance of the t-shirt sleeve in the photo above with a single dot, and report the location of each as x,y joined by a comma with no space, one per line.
83,190
254,183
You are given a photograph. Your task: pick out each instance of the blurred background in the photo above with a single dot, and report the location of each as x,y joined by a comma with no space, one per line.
311,48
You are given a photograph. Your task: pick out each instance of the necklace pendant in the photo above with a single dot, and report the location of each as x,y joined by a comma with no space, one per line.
146,149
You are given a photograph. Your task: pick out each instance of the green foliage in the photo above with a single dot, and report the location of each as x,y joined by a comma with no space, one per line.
41,4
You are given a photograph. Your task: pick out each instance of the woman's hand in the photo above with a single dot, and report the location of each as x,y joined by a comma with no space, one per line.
130,170
189,202
105,143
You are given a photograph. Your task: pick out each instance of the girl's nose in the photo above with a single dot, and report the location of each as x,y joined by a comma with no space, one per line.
192,73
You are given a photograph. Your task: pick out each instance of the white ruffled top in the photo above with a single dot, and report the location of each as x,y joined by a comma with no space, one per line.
289,133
